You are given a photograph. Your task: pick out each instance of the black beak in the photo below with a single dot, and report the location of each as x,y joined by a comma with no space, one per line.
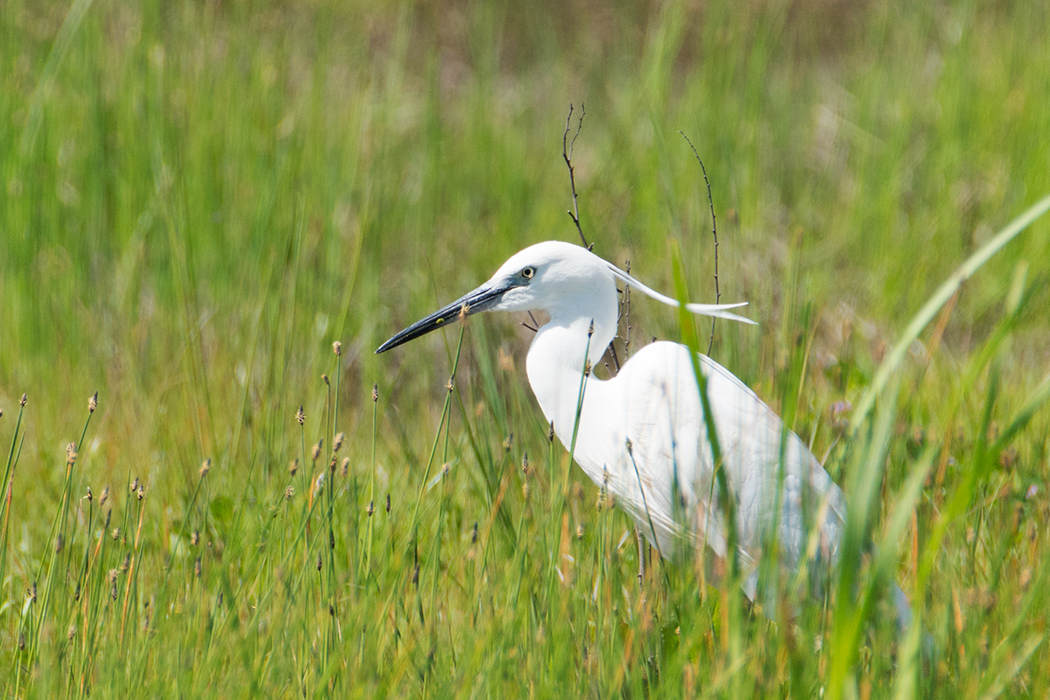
481,299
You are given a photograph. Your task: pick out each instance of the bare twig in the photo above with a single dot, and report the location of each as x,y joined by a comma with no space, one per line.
714,234
566,153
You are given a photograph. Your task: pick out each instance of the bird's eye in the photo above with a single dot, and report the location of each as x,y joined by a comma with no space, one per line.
528,273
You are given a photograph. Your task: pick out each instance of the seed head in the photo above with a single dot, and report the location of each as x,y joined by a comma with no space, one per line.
72,632
525,463
71,453
293,467
141,493
445,468
579,531
195,538
550,433
89,497
331,465
474,534
319,561
135,485
289,492
316,452
22,401
32,592
375,392
197,567
205,466
587,368
104,497
371,508
300,416
324,378
344,468
93,403
116,533
339,437
109,513
388,503
508,443
337,348
127,563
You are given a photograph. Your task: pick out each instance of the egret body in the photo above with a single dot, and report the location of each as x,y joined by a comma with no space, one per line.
642,433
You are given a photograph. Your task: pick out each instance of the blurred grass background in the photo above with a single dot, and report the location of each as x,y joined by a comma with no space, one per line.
198,198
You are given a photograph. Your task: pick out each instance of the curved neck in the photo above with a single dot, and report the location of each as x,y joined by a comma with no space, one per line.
556,362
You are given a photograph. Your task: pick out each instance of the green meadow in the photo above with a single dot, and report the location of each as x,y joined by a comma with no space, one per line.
198,199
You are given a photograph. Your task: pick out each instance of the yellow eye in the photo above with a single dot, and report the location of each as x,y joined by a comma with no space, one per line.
528,273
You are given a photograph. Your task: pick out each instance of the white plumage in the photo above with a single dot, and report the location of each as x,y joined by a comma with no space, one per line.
643,431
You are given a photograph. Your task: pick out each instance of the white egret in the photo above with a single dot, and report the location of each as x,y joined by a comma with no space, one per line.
643,434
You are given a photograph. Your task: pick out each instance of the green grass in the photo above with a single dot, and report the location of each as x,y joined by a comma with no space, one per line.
198,199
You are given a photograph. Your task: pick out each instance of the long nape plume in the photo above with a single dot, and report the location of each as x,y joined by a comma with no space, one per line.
715,310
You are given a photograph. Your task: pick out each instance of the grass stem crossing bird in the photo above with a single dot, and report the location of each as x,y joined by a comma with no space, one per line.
643,433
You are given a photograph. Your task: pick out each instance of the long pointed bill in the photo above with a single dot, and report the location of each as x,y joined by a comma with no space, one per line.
715,310
481,299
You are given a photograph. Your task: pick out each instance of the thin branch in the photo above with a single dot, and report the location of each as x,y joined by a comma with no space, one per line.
566,153
714,234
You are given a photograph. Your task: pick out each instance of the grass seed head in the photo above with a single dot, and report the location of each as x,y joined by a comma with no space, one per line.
205,467
22,401
141,493
104,497
332,465
93,403
72,632
300,417
316,452
371,508
293,467
375,392
337,348
525,464
344,468
116,533
197,567
135,485
338,443
319,562
195,538
289,493
71,453
126,563
550,432
388,504
474,533
88,496
324,378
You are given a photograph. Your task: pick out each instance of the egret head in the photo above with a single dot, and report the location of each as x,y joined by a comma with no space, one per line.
553,277
541,276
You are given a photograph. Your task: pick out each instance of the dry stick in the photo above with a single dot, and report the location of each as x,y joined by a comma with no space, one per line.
714,234
566,153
